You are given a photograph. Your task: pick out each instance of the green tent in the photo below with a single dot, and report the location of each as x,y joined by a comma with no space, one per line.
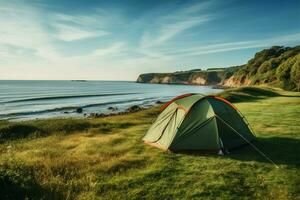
193,122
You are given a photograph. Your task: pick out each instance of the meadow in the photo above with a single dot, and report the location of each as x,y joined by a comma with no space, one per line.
104,158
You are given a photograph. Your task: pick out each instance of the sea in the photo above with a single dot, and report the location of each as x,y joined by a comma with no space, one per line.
24,99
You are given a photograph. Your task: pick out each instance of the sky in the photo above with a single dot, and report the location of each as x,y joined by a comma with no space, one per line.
118,40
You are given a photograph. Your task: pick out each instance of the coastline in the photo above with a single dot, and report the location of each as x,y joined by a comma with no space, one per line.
25,100
78,112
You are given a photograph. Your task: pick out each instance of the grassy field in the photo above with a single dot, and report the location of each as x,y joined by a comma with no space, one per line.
104,158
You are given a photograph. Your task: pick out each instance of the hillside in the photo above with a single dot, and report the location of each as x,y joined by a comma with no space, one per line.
277,66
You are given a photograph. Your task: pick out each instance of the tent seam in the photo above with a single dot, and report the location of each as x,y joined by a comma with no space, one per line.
166,126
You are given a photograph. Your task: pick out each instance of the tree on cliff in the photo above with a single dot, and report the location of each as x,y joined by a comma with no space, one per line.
295,73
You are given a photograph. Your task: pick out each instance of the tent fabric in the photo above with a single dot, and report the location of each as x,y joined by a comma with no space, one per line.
198,122
176,98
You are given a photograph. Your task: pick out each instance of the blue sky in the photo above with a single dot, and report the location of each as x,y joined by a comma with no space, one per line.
117,40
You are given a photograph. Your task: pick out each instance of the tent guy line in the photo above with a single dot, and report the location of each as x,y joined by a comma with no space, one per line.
256,148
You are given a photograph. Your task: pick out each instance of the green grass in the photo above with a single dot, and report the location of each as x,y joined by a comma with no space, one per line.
249,94
105,158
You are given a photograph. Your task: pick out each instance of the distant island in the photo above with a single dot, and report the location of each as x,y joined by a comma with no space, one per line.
79,80
277,66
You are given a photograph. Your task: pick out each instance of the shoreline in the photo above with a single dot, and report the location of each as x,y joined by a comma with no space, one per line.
53,99
77,113
131,109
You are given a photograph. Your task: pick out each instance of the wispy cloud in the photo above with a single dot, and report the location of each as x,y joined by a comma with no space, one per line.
22,29
70,28
168,31
23,32
231,46
172,24
113,49
71,33
168,26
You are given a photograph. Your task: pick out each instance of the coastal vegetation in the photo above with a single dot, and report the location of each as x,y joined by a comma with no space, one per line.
104,158
277,66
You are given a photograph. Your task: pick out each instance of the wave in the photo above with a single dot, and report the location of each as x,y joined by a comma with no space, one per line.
68,108
66,97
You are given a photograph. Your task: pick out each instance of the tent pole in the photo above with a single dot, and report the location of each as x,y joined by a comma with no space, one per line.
259,151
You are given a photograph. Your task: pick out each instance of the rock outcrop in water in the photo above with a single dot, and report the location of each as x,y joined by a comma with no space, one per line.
79,110
112,108
132,109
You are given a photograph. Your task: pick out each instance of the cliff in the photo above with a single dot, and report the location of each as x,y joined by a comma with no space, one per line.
194,77
277,66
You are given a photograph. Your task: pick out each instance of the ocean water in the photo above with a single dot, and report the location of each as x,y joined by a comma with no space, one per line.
21,100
